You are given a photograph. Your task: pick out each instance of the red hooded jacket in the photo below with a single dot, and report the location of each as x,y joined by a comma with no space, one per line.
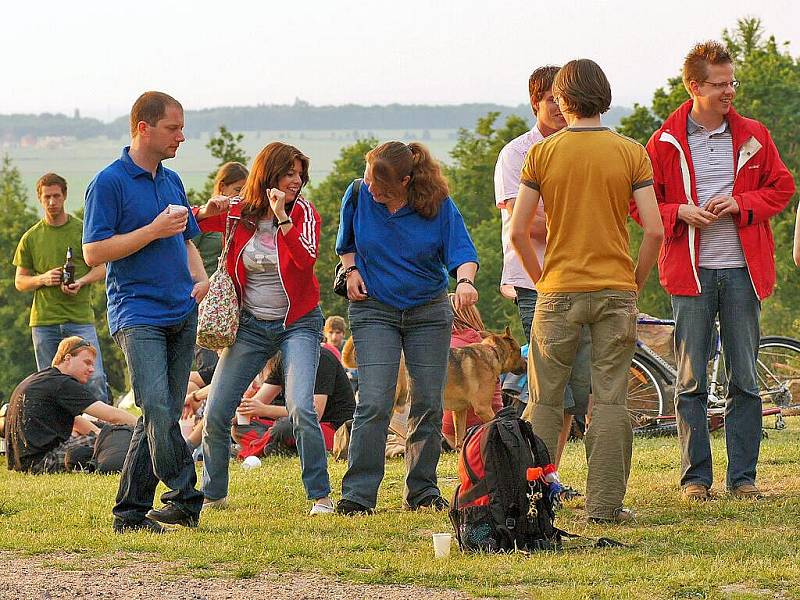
762,188
297,253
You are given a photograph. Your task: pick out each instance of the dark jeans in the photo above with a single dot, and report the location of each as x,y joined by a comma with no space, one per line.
729,294
576,394
381,333
159,360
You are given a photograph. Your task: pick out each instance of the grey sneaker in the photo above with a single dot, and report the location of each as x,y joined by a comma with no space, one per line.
218,504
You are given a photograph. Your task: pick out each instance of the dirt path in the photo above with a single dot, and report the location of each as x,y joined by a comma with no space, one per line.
58,576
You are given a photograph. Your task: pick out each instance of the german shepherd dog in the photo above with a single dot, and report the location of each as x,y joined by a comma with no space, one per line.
472,374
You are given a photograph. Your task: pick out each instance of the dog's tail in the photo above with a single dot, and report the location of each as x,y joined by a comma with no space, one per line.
349,354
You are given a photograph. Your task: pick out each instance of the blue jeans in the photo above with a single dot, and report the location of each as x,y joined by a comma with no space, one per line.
45,344
159,360
381,333
576,394
729,294
256,342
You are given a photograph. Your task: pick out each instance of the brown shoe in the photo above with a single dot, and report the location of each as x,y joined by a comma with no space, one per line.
620,515
747,490
696,491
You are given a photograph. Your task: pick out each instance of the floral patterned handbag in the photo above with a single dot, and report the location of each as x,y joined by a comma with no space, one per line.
218,315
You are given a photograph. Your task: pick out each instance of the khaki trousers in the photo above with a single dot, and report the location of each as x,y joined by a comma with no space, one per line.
611,316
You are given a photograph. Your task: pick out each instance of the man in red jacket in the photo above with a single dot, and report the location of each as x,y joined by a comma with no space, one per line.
718,179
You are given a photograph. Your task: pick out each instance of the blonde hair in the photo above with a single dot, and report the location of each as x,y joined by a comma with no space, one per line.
467,317
72,345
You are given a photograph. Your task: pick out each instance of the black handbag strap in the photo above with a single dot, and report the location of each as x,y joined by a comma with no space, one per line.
356,192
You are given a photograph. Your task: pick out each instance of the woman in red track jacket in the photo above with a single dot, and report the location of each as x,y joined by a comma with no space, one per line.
271,261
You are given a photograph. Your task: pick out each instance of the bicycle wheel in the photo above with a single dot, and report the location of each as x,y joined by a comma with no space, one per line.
645,392
778,370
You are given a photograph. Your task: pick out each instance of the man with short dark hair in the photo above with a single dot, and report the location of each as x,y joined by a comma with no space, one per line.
138,222
60,309
585,175
515,283
718,179
44,411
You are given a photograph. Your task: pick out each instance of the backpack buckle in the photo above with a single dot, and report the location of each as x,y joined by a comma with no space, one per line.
511,523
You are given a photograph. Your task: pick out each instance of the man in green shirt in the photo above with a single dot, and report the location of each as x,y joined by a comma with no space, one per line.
58,310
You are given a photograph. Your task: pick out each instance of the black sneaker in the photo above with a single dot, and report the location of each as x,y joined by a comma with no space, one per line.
436,502
172,514
146,525
351,509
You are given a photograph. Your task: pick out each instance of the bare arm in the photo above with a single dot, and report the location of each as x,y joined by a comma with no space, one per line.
356,288
83,426
26,281
466,294
110,414
521,222
197,271
95,274
320,402
166,224
650,216
539,226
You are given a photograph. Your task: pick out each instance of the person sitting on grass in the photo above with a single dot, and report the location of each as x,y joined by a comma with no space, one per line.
43,420
270,431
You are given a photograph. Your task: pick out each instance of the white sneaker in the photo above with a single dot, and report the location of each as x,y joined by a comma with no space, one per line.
322,507
215,504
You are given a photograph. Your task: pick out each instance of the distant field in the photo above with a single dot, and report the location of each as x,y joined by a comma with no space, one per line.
79,161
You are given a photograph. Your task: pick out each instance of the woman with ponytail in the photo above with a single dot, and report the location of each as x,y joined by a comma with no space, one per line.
398,240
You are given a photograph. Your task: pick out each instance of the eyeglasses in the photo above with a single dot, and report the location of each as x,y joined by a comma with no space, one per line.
721,85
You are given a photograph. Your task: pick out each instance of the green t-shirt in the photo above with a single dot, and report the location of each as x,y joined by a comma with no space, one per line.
44,247
209,245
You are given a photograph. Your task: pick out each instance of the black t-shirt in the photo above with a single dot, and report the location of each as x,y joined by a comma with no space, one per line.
331,381
41,414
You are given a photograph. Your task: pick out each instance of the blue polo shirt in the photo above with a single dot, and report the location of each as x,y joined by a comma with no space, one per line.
403,258
152,286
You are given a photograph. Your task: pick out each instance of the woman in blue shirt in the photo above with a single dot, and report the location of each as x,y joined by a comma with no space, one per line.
400,235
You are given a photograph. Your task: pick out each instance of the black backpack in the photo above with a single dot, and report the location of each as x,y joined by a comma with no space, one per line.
503,501
111,448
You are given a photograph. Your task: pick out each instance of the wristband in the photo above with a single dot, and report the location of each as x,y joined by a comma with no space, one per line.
467,281
349,270
286,222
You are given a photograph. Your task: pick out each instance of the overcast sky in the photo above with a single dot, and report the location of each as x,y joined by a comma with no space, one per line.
97,56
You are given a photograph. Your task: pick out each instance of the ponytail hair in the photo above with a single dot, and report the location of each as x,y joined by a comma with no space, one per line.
427,188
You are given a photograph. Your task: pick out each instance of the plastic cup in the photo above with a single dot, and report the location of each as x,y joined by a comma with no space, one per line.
251,462
242,419
177,208
441,544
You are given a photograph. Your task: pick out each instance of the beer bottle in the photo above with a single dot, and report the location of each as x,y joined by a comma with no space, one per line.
68,270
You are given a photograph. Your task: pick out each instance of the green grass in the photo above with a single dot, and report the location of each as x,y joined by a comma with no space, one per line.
722,549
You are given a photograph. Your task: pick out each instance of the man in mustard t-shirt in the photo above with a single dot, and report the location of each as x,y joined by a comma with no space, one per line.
585,176
59,311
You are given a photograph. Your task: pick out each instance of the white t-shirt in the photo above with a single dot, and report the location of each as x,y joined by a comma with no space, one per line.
506,185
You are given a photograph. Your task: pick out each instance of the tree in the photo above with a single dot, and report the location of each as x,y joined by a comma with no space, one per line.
327,198
471,179
16,217
225,147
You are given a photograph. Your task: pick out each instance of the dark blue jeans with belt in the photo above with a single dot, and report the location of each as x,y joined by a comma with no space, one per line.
381,332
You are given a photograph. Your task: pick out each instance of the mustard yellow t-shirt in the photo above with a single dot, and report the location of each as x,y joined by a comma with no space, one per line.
586,178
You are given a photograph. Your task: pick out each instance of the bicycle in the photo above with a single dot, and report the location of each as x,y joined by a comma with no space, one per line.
652,412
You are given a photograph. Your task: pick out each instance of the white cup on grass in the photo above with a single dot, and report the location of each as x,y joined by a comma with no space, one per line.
251,462
441,544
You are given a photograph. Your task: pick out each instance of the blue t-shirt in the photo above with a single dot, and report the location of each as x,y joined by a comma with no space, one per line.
152,286
403,258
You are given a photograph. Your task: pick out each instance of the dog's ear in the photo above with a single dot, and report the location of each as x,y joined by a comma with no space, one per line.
508,331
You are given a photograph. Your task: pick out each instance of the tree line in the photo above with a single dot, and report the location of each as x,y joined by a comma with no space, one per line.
770,92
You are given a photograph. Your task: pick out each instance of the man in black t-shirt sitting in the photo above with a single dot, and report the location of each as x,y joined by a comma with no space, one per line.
44,411
333,400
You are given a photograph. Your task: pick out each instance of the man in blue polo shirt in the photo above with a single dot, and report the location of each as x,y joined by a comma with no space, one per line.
137,221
